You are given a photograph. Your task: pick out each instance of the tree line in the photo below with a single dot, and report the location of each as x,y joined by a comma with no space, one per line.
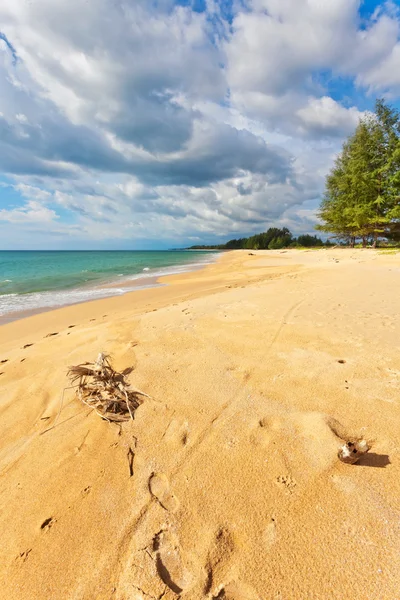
362,194
273,239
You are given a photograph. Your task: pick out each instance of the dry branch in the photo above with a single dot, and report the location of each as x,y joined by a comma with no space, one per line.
105,390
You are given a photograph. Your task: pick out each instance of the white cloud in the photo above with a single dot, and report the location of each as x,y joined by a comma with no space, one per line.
277,47
32,212
324,115
149,119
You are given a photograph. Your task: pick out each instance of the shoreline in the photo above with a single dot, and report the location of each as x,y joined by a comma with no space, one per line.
165,287
125,285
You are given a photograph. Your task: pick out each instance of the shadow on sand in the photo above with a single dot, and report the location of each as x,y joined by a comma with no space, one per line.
371,459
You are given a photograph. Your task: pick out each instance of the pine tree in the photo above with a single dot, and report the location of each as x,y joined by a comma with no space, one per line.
362,195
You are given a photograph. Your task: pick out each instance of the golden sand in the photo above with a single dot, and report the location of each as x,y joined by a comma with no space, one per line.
227,484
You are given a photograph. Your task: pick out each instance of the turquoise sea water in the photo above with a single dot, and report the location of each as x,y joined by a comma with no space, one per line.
36,280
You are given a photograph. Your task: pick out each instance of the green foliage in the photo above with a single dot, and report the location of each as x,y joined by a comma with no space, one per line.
362,193
309,241
273,239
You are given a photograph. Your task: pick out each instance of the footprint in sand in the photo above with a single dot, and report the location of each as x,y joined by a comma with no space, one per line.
51,334
262,435
287,482
237,591
3,361
48,524
23,556
220,563
174,567
26,346
177,433
160,489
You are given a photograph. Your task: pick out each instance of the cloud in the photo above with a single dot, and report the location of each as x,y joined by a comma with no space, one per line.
322,116
150,120
32,212
277,47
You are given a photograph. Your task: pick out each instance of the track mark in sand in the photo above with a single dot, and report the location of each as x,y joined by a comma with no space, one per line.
71,326
264,430
22,359
51,334
23,556
26,346
3,361
338,429
172,563
287,482
286,316
131,458
220,561
269,535
160,488
86,491
177,433
237,591
82,444
48,524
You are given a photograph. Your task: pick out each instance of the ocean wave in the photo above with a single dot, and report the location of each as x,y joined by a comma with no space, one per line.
11,303
172,269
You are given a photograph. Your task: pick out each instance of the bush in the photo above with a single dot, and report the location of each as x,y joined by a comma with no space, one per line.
309,241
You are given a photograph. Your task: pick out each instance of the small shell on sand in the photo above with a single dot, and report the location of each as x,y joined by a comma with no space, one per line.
353,450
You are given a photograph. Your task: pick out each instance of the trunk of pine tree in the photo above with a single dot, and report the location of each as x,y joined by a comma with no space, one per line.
364,242
352,241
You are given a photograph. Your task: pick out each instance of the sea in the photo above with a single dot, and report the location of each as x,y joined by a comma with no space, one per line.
34,281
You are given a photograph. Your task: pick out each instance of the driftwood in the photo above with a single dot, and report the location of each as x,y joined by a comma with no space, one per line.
105,390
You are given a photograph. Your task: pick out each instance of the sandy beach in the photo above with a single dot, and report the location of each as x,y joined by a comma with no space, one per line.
226,485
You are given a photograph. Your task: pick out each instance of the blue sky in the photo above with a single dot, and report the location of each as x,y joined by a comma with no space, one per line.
156,124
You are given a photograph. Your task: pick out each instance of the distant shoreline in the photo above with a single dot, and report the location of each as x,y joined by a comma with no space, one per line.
53,299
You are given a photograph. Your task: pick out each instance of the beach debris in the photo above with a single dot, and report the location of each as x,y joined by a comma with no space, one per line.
105,390
353,450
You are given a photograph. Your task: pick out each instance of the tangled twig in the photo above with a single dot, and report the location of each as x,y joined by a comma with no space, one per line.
105,390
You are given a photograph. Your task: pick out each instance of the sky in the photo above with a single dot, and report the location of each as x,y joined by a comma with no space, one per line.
141,124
